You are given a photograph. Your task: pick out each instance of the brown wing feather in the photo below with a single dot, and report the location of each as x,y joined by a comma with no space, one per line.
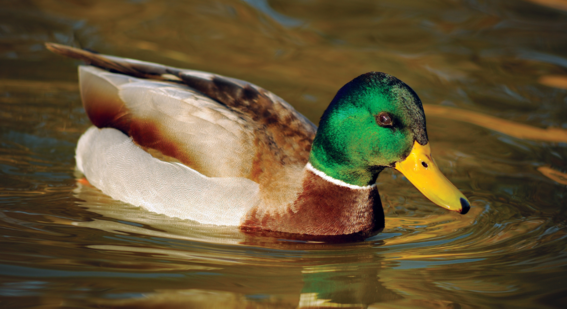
103,105
282,136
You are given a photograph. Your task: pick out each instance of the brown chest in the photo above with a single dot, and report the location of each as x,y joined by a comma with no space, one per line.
322,208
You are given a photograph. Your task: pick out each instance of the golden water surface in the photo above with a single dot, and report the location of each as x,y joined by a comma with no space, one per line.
492,76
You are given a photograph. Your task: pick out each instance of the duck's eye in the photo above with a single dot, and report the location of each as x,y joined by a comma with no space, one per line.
384,119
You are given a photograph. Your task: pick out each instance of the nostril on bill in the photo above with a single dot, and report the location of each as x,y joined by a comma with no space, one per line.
465,206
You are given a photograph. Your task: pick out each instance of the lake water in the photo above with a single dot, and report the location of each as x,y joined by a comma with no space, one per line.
493,76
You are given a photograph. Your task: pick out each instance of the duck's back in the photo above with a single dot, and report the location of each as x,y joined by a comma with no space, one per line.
219,126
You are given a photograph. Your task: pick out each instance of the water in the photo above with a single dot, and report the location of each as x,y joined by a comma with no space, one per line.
69,245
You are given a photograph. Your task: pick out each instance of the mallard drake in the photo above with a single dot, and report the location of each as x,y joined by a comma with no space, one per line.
222,151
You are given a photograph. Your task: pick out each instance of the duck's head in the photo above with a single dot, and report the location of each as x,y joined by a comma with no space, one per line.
377,121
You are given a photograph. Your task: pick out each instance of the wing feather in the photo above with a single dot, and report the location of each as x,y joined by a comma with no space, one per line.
171,118
266,136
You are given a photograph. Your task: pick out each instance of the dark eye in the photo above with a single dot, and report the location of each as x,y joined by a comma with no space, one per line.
384,119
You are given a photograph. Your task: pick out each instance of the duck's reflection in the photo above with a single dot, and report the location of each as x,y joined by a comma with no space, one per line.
352,285
223,267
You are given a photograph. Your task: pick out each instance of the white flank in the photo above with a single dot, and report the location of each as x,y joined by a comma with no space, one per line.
115,165
336,181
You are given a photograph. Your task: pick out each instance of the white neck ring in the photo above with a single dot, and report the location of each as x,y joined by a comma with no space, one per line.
336,181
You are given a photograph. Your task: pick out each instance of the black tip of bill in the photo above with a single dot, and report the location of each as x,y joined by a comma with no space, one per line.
465,206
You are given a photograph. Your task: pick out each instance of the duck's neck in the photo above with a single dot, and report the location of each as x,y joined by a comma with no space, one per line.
324,206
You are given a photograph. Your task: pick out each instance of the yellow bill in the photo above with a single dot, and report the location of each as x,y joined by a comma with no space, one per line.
420,169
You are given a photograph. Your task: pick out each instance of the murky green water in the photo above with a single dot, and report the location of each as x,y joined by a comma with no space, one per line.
65,245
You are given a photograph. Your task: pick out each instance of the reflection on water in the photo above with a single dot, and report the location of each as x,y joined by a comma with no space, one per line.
517,130
492,76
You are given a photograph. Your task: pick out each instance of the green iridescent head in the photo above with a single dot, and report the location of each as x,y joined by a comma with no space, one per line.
371,123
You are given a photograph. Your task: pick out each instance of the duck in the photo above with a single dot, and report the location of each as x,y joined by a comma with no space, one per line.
222,151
